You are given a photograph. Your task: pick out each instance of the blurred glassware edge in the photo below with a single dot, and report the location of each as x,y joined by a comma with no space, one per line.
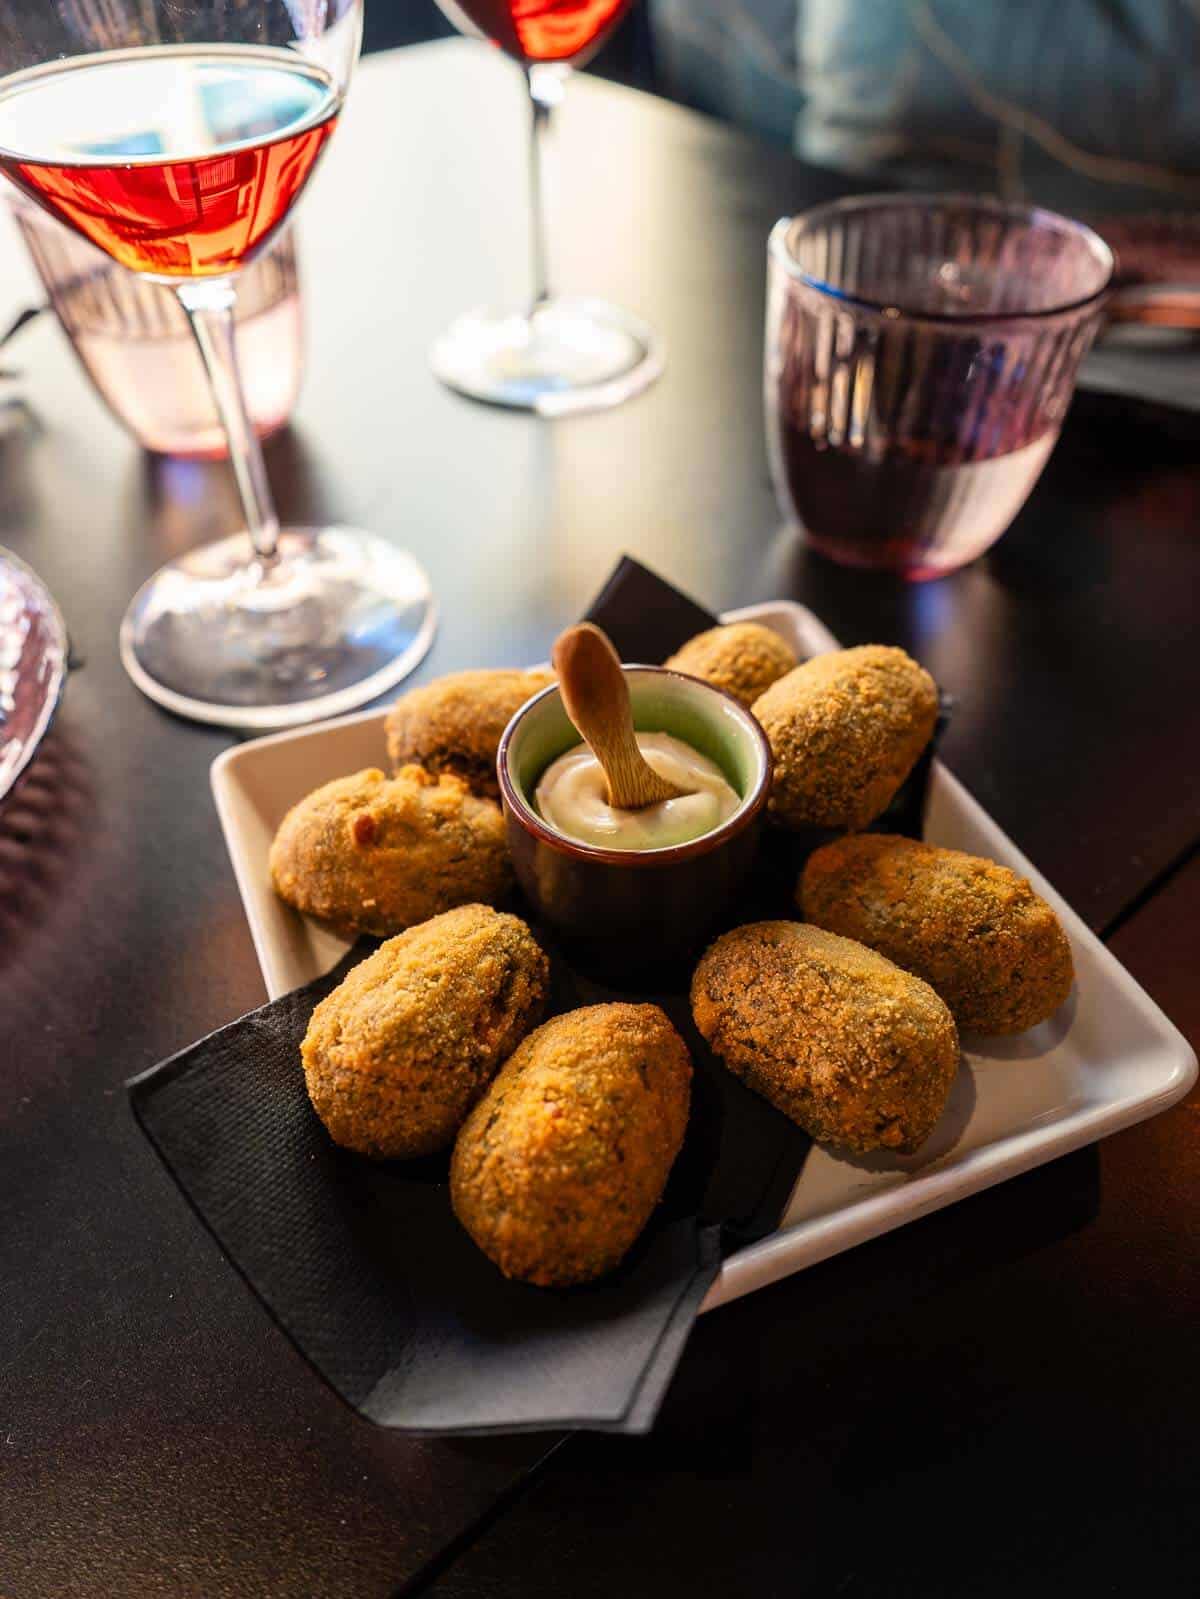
34,661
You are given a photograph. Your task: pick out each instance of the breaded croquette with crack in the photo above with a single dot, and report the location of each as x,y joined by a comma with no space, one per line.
559,1166
743,658
371,854
976,932
845,729
859,1053
396,1056
454,724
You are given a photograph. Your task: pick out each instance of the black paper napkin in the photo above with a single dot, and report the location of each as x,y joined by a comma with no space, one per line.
363,1264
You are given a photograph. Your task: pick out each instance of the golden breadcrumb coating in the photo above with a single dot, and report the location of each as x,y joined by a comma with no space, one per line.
371,854
743,658
455,723
859,1053
976,932
846,729
560,1165
396,1056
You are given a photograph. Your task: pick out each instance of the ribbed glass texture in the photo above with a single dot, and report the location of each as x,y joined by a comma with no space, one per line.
921,352
133,340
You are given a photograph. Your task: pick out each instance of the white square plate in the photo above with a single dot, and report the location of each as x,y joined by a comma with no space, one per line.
1108,1059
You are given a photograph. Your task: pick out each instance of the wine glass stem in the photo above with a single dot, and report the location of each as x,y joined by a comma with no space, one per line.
545,84
210,305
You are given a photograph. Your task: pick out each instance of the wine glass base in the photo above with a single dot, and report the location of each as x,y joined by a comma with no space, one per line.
339,618
565,357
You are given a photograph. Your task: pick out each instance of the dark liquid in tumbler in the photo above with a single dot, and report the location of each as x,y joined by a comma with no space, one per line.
917,506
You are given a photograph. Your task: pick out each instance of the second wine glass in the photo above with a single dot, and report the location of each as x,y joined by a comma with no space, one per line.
558,354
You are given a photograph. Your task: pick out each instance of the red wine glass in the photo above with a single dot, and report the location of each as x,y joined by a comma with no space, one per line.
177,135
557,354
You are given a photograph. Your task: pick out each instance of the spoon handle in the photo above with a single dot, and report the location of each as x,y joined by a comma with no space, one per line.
596,696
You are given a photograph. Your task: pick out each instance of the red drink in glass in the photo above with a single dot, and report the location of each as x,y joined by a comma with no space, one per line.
559,353
539,30
102,146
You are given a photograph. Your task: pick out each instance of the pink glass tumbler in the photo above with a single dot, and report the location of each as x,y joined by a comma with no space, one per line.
133,340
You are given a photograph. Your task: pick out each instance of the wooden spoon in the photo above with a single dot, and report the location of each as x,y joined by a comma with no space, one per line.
596,696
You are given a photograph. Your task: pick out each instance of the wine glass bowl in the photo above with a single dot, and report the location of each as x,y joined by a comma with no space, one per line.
539,30
177,136
557,354
265,115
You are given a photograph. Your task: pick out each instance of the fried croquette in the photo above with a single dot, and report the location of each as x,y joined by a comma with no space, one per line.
976,932
396,1056
845,729
559,1166
371,854
857,1052
455,723
743,658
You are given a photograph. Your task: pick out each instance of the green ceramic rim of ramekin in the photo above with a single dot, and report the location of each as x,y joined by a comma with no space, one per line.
663,701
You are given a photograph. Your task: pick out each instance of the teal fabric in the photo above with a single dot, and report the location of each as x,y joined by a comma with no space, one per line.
1095,100
734,58
1084,103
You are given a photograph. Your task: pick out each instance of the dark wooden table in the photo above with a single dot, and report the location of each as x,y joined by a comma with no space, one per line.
1000,1397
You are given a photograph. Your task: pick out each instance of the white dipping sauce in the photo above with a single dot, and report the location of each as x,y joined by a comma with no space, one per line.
572,797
